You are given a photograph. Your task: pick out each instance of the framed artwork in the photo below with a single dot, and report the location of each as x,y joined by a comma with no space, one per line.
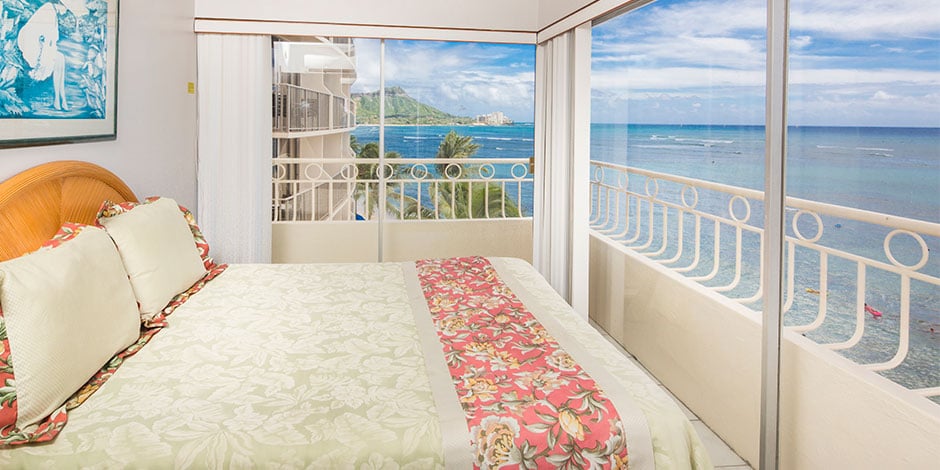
58,71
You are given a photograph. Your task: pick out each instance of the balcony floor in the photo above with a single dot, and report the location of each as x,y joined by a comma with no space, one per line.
721,454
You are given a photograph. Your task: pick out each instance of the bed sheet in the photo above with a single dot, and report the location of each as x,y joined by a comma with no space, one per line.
323,366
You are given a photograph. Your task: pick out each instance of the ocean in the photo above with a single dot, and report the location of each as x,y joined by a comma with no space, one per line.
888,170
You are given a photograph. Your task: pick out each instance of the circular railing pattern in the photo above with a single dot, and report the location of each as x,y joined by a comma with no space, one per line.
747,209
646,187
517,166
799,233
924,251
682,196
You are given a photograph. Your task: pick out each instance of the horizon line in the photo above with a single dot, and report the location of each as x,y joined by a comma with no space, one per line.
841,126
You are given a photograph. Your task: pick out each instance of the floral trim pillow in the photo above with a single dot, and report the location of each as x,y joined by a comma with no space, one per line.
111,209
49,427
43,431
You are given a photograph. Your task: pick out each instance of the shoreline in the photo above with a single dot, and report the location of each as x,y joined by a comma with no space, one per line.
518,124
691,126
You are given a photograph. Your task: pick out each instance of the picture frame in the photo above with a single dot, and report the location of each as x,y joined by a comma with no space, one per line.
58,71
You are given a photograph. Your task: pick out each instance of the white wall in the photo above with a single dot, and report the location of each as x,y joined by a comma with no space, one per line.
551,11
503,15
155,150
356,242
499,15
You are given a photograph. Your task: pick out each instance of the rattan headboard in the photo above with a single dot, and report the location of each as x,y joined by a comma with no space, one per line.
35,203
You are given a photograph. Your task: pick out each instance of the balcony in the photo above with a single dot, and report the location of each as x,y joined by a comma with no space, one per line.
301,112
675,274
327,209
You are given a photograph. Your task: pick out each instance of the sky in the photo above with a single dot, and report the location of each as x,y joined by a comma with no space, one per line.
852,63
465,79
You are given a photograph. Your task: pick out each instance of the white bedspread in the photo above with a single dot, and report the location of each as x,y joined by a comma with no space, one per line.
320,366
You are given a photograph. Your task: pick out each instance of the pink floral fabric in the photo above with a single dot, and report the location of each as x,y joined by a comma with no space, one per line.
528,404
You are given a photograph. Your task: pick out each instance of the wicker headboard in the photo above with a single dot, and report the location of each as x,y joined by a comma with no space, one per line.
35,203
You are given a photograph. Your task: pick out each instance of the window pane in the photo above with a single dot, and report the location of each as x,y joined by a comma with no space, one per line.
678,104
315,175
458,138
864,113
677,157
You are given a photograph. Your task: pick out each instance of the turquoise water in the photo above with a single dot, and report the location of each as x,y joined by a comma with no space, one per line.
888,170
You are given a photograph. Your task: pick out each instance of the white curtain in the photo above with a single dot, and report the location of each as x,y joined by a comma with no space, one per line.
562,147
234,170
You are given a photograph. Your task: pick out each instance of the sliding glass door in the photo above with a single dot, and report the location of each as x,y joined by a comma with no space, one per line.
863,225
841,145
322,196
677,177
458,140
395,150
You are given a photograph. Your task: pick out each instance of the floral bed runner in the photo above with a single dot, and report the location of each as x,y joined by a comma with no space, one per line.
527,403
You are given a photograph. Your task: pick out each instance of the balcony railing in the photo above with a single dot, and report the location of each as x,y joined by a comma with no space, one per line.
330,189
298,109
853,277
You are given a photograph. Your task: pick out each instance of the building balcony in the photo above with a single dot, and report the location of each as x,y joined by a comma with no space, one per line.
302,112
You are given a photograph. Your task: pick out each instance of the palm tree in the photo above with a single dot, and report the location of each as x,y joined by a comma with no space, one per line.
472,200
449,199
454,145
462,200
367,189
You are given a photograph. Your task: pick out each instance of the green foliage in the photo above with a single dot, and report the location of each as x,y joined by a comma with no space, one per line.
401,109
454,145
467,200
450,199
368,188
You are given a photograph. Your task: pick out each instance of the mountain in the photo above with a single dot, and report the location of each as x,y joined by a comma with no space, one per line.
401,109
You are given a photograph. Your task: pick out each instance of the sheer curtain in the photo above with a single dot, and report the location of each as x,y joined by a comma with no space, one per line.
562,161
234,170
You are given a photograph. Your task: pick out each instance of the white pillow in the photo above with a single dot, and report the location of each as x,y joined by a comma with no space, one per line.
158,251
67,310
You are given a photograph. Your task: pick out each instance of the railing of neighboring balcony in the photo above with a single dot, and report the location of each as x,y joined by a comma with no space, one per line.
857,282
298,109
329,189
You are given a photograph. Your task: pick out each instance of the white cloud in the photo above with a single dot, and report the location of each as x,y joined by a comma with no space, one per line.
640,79
872,19
846,19
464,79
881,95
671,54
851,77
800,42
684,49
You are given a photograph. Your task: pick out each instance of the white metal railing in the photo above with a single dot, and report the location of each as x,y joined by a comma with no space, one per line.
712,233
298,109
328,189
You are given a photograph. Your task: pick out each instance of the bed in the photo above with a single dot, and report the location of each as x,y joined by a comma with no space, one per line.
459,363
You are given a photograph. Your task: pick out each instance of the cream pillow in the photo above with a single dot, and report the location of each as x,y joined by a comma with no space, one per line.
158,251
67,311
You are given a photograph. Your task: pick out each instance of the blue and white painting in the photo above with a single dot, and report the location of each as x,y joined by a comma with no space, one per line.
53,60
